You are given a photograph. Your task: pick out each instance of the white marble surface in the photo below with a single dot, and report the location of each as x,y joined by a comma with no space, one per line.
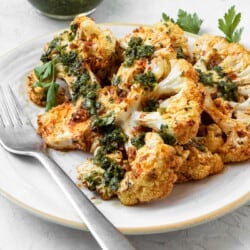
20,230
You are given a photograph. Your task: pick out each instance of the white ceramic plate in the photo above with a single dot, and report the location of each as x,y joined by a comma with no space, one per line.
26,182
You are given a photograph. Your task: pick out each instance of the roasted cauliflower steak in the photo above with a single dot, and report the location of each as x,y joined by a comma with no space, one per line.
151,113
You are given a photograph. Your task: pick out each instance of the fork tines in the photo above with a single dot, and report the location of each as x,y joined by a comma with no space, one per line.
11,113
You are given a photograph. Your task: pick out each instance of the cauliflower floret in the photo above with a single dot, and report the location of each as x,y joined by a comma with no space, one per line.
199,163
96,46
67,126
148,51
205,44
177,37
120,103
175,81
181,111
236,132
224,70
211,136
145,50
233,58
84,47
152,172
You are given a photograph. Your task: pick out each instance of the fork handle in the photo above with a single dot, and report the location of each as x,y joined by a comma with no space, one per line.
107,236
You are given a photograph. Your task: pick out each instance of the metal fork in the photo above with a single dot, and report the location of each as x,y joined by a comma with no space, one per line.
18,136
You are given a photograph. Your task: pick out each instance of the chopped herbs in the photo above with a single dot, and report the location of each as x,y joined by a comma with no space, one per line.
138,141
113,139
206,77
75,67
180,53
90,101
113,172
116,80
167,137
228,25
227,89
137,50
219,70
83,86
109,39
146,80
54,46
73,29
200,146
46,80
151,105
102,121
93,180
68,59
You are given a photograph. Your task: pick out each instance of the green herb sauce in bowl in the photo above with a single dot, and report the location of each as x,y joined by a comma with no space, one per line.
65,9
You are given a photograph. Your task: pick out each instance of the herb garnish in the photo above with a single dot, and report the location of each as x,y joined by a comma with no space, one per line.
146,80
113,139
113,172
83,86
102,121
180,53
72,34
229,24
151,105
167,137
227,89
54,45
200,146
206,77
137,50
188,22
116,80
138,141
167,18
93,180
46,79
68,58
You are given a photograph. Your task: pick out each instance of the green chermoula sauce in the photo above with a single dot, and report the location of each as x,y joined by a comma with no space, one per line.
64,7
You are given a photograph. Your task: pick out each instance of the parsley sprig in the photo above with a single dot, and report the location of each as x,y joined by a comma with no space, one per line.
46,79
228,25
188,22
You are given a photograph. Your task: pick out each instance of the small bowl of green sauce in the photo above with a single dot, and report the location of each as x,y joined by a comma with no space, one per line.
65,9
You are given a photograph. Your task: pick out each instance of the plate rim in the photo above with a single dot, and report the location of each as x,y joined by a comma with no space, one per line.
209,216
138,230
